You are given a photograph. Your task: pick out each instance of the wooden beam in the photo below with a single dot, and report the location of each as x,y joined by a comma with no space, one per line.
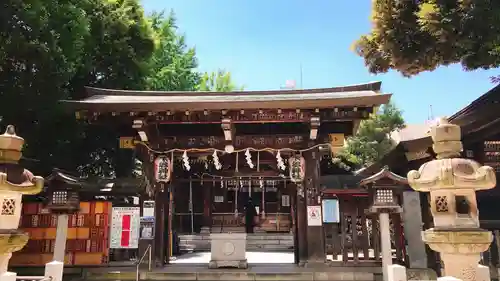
247,116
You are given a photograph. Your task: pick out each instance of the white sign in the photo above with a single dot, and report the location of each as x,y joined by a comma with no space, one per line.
148,209
125,227
314,216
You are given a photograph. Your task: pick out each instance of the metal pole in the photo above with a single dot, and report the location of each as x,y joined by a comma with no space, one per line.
61,237
150,258
191,204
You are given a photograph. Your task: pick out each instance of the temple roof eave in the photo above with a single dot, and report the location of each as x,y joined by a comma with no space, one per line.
193,103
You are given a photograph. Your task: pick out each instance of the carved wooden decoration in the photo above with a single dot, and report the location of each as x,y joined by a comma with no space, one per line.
279,141
236,116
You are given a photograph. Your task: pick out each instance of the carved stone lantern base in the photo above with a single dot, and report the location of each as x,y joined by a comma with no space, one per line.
459,249
10,241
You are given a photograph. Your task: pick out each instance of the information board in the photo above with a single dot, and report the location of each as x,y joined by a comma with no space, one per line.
330,210
125,224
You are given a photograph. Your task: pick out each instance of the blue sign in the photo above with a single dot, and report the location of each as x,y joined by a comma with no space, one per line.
330,210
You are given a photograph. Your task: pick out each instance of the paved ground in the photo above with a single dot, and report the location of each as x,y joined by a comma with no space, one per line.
252,258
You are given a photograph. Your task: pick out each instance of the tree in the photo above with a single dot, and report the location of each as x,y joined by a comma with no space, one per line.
372,140
219,81
50,50
416,36
172,66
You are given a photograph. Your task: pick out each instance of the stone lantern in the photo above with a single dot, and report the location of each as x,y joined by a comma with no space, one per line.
63,193
452,182
64,199
383,187
14,182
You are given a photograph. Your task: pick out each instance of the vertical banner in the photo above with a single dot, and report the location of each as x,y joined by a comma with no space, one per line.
125,223
330,210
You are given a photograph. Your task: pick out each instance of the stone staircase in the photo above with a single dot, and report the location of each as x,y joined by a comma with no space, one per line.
262,242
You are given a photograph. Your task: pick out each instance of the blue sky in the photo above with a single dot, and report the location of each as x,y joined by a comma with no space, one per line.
263,43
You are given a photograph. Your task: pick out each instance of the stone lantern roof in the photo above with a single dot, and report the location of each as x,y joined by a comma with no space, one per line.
449,171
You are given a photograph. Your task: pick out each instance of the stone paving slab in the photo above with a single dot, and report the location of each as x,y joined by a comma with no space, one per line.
254,273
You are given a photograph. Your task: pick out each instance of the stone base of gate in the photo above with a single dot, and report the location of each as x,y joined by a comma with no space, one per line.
264,272
400,273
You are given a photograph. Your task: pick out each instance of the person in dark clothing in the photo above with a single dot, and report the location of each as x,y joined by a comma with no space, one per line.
250,214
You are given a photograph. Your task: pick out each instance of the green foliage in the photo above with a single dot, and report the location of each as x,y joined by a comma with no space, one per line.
372,140
51,50
172,64
219,81
416,36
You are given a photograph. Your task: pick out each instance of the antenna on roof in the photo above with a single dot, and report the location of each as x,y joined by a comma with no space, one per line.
301,86
430,116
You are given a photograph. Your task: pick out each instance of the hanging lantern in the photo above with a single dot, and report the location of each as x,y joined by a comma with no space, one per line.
163,169
297,168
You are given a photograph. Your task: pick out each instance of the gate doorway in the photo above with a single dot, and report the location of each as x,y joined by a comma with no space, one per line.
204,208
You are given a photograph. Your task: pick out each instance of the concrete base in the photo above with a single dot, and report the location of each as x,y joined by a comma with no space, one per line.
242,264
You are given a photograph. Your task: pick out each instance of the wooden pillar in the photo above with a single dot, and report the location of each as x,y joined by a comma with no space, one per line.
159,230
207,209
170,212
301,228
315,235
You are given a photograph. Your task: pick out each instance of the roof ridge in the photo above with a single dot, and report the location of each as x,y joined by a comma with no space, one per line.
370,86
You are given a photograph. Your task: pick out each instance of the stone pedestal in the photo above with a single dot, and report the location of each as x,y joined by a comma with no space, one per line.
396,272
228,250
8,276
54,270
460,250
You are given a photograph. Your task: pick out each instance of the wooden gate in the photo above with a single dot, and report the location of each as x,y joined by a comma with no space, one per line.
356,238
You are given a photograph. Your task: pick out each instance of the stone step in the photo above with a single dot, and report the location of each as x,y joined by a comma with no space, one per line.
249,237
288,272
261,242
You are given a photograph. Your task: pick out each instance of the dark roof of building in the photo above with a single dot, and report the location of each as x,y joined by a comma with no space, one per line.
96,185
363,95
492,96
382,174
480,117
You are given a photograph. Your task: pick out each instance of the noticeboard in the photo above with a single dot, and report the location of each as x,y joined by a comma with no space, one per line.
330,210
